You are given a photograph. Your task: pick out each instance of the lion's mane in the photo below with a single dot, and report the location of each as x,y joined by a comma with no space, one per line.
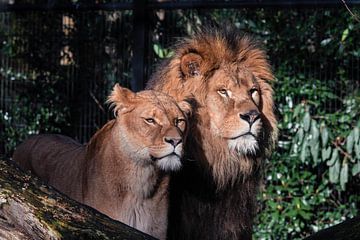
213,178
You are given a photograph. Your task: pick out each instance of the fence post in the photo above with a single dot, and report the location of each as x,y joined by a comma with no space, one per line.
140,29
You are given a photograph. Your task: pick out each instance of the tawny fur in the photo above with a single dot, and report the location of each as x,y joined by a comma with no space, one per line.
123,170
228,75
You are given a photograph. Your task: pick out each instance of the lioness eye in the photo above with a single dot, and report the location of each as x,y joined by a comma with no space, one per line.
150,120
223,92
255,95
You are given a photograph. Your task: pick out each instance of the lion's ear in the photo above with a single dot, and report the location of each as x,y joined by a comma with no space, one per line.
186,108
121,99
191,64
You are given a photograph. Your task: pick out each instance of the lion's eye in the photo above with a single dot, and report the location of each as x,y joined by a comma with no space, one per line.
223,92
255,95
150,120
180,122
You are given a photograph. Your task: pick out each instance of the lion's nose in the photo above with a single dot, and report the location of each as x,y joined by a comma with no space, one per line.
250,116
173,141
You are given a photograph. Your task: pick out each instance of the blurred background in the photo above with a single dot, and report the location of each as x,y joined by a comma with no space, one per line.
59,60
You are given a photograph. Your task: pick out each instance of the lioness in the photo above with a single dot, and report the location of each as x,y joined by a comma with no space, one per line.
122,171
234,129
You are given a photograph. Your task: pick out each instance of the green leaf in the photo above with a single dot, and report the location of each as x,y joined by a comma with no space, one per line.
325,42
305,215
334,171
158,50
297,110
169,54
314,149
357,150
345,34
306,121
301,135
344,175
350,142
334,157
315,133
325,153
356,168
356,134
324,136
344,118
303,152
292,213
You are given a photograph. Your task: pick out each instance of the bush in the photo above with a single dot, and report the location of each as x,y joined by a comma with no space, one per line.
312,179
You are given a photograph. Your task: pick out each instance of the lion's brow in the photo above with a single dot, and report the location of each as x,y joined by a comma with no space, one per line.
161,105
234,75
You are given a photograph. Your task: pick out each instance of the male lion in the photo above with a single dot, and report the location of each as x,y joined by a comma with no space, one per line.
233,130
122,171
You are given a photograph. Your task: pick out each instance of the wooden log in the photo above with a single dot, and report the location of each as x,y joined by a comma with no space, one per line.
31,210
349,229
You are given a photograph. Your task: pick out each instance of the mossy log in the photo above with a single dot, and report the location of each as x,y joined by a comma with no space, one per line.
31,210
347,230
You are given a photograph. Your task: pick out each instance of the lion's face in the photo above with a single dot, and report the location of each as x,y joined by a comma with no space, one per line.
228,76
233,103
152,127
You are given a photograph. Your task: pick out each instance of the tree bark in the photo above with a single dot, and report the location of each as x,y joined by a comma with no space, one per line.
31,210
349,229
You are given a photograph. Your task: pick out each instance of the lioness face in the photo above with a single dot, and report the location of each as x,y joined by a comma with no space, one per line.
152,127
234,103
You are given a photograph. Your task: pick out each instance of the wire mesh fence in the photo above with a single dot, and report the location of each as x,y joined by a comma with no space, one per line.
58,65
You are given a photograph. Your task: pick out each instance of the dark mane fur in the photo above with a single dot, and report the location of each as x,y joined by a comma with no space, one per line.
214,196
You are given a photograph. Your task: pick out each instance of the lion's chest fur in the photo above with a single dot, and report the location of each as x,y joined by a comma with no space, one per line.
134,195
199,211
147,215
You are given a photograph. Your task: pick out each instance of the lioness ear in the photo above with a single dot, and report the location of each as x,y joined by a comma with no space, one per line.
121,99
186,108
191,64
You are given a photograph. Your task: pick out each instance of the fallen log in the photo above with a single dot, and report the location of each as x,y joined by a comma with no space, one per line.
347,230
30,209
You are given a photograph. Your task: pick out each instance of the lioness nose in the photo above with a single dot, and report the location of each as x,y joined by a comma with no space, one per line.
173,141
250,116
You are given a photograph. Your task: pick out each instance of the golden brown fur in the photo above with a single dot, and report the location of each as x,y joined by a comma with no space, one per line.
233,130
122,171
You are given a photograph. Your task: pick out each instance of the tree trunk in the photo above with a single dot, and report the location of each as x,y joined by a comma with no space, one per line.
32,210
347,230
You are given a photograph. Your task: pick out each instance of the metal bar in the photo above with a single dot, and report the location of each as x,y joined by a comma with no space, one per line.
248,4
169,5
139,44
66,7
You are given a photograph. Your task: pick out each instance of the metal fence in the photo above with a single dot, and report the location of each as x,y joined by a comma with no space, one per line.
81,49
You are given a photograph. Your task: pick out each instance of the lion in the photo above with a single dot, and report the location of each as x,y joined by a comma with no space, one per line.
233,129
124,169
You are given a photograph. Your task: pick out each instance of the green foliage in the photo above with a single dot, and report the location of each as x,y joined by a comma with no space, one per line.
312,179
34,109
58,69
311,176
35,100
162,52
